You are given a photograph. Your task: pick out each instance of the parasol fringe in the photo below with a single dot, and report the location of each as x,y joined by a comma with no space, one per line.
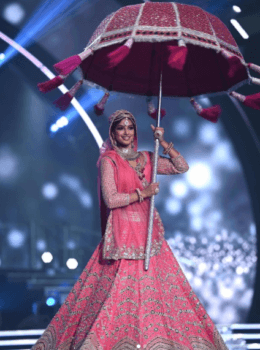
211,114
152,111
118,55
68,65
100,106
234,62
252,101
178,55
254,67
51,84
63,102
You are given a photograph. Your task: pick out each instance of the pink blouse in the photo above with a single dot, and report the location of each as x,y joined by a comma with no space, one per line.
113,199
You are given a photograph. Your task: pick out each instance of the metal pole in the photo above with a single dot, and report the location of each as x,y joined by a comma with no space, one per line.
154,176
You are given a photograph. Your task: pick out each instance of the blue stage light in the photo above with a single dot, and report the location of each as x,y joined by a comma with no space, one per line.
50,301
63,121
2,56
44,17
62,88
54,128
87,102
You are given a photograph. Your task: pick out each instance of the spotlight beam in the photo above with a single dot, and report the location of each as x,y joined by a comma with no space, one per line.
46,15
62,88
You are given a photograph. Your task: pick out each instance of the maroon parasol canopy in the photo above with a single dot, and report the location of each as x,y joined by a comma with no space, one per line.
158,28
193,48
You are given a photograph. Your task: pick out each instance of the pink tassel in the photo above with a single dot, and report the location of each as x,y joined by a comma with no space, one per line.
252,101
100,106
51,84
117,56
211,114
177,56
63,102
254,67
68,65
153,112
234,63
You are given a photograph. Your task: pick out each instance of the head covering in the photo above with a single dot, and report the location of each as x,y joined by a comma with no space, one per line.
115,117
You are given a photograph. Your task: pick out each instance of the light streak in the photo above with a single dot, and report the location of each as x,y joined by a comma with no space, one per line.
62,88
46,16
239,28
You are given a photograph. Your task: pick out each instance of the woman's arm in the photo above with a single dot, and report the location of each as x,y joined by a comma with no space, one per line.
176,164
171,166
111,197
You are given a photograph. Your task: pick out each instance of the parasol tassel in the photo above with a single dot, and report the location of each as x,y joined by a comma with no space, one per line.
51,84
118,55
63,102
234,63
68,65
152,111
211,114
254,67
178,55
100,106
252,101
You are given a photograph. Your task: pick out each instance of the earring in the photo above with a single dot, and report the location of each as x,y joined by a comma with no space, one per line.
114,143
132,144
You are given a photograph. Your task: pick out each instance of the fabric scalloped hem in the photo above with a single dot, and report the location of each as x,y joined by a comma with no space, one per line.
117,305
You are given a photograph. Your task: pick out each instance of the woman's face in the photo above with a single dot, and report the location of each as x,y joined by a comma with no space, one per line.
124,133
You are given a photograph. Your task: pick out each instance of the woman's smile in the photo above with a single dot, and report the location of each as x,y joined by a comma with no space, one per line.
124,133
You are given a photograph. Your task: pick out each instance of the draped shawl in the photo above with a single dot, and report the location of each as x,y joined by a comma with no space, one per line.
125,229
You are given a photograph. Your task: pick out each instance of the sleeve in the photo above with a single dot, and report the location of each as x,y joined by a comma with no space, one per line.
111,197
171,166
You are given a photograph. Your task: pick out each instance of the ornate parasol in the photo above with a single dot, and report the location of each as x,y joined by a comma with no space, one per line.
160,49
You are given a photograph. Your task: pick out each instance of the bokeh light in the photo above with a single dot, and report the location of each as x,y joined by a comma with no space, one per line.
182,127
16,238
47,257
72,264
173,206
199,175
50,301
179,188
14,13
50,191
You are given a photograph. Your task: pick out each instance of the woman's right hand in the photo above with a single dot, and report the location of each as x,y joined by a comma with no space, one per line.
150,190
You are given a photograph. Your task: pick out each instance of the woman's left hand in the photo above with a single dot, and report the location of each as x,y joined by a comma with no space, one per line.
158,132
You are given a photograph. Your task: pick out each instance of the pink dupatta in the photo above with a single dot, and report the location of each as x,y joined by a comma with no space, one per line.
125,228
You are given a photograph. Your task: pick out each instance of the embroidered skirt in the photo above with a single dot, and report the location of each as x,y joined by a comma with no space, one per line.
117,305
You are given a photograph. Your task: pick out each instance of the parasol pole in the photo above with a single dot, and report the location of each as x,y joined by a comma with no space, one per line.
154,177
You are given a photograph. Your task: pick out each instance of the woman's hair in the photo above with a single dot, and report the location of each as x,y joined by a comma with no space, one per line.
123,116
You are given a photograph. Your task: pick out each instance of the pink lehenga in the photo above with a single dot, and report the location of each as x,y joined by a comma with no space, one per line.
116,304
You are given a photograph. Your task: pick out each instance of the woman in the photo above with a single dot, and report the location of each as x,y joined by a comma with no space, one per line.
116,304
